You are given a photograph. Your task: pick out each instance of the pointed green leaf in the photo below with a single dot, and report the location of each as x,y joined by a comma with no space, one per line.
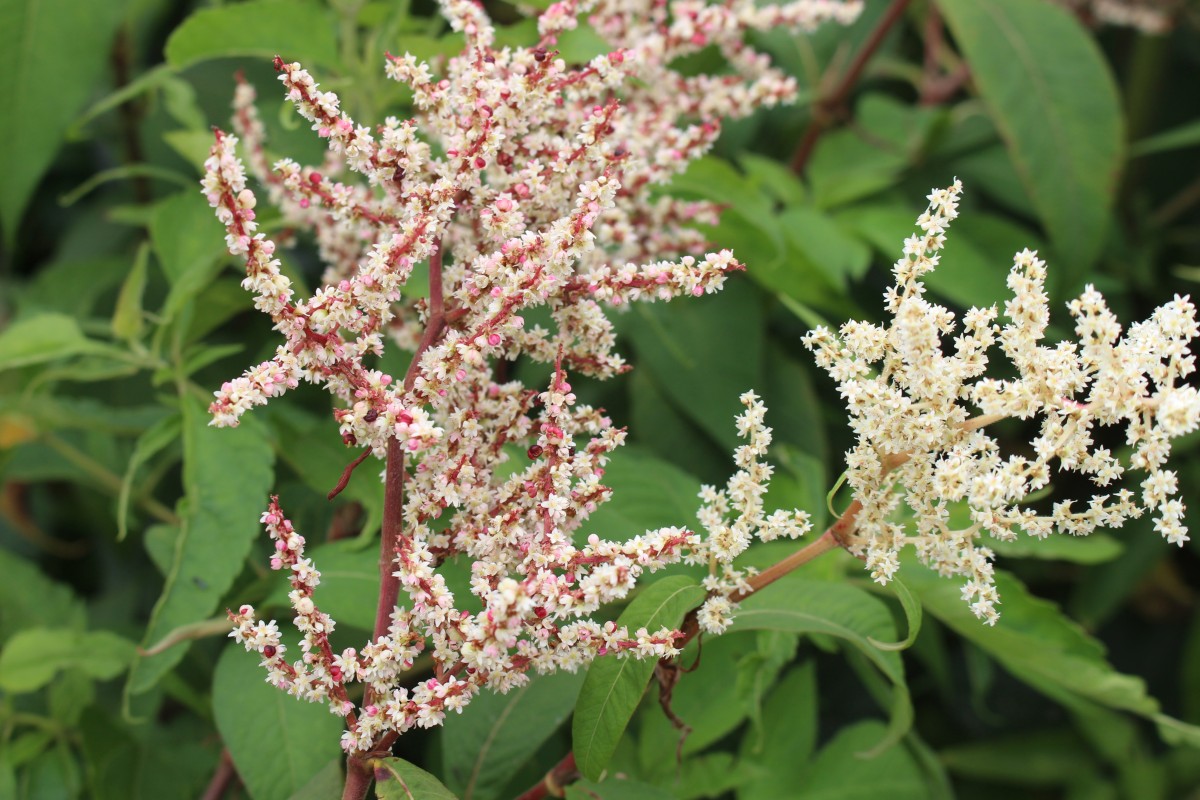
840,772
227,475
278,742
614,686
1048,88
42,338
407,781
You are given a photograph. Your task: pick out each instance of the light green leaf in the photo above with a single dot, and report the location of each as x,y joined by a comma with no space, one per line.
297,31
42,338
841,611
407,781
912,614
1049,90
278,742
498,733
127,321
52,54
349,583
227,473
32,657
614,686
1175,139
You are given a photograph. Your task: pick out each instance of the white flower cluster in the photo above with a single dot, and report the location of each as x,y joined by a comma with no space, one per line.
1147,16
908,397
523,182
734,516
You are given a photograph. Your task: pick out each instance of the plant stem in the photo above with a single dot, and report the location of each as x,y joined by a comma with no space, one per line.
559,775
106,478
223,777
359,774
826,107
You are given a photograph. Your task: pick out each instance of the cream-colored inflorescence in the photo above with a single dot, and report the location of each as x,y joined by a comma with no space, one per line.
524,182
919,400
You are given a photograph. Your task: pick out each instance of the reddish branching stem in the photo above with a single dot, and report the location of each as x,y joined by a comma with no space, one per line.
222,779
560,775
829,106
347,472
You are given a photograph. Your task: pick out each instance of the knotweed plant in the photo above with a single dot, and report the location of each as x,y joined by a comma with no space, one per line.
522,182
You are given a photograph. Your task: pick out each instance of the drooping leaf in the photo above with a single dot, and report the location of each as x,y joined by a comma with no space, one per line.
297,31
407,781
227,473
841,611
614,686
1042,647
912,615
498,733
44,85
278,742
1050,93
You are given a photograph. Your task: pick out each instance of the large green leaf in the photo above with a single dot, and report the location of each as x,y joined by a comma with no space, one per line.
842,611
297,31
42,338
614,686
498,733
278,742
52,54
687,344
1039,645
227,474
648,493
1050,93
407,781
349,583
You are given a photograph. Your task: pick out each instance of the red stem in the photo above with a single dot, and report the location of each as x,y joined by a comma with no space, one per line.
347,472
826,107
561,774
223,777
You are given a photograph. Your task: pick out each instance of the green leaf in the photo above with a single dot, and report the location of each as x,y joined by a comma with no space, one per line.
407,781
127,321
684,345
840,772
1095,548
227,473
297,31
278,742
1049,90
42,338
912,615
1039,645
789,735
1051,757
157,437
1175,139
648,493
325,784
187,240
841,611
614,686
498,733
349,583
32,658
29,599
52,53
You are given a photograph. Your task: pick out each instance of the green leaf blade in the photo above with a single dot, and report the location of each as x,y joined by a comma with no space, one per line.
297,31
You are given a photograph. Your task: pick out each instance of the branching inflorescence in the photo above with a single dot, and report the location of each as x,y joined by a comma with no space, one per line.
523,182
918,444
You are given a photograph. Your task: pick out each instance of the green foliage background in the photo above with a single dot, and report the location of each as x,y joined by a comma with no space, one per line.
126,520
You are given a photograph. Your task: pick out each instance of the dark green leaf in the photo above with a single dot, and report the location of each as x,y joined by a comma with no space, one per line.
841,611
614,686
349,583
162,434
498,733
1052,757
615,789
278,742
840,772
227,475
297,31
52,53
28,599
789,735
406,781
1049,91
648,493
1175,139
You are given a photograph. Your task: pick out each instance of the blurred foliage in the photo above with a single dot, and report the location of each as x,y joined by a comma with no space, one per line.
127,522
